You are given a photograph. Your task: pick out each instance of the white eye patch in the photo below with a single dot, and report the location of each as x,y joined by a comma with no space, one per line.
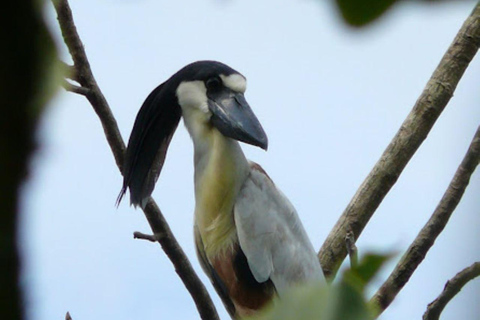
235,81
192,95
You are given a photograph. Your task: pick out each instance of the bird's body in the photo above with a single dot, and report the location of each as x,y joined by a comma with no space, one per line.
248,236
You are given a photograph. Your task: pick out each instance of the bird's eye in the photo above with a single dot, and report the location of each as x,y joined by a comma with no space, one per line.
213,84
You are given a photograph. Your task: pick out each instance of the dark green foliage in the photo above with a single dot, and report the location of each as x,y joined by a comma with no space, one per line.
367,268
344,300
27,57
358,13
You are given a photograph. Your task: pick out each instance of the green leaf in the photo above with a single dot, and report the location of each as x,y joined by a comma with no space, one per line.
337,302
366,269
358,13
370,265
342,301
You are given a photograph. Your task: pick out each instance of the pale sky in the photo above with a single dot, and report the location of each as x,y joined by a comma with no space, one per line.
329,98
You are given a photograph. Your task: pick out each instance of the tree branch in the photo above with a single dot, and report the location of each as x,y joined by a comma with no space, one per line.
408,139
75,89
429,233
351,249
160,228
452,287
143,236
84,76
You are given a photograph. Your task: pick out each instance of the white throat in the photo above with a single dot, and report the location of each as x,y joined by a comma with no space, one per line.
220,169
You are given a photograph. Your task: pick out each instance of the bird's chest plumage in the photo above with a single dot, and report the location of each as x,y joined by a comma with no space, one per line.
220,171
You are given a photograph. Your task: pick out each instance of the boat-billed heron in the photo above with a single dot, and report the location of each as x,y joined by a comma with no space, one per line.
249,239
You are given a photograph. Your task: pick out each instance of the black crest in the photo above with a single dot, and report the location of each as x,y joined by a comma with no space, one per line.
153,130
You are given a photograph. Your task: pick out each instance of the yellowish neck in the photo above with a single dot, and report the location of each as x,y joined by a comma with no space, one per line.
220,170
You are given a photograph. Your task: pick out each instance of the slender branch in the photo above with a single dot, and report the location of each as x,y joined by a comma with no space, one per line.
75,89
83,75
143,236
429,233
452,287
408,139
159,225
351,249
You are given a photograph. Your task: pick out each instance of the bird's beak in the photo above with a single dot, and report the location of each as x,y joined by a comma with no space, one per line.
234,118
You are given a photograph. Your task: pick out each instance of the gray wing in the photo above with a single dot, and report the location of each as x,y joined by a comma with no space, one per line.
272,236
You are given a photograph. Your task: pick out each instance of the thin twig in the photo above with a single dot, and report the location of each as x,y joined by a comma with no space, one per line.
351,249
408,139
452,287
75,89
143,236
429,233
157,221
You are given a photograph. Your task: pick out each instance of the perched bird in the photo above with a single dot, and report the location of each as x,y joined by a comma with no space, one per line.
249,239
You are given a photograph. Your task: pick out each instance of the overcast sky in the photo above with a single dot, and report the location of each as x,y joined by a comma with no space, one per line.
329,98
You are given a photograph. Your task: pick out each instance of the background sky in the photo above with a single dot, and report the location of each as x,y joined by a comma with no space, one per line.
330,99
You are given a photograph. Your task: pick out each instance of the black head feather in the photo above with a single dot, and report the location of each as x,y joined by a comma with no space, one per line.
153,130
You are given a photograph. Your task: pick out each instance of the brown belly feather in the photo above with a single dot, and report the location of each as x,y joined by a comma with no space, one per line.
246,293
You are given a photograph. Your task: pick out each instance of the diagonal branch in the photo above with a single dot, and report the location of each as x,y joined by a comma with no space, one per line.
432,229
408,139
84,76
452,287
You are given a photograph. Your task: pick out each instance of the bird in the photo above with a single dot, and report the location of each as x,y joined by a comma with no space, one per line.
248,236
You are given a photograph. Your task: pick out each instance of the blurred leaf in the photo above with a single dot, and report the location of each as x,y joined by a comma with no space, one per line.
349,304
338,302
361,12
366,269
27,82
370,265
342,301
